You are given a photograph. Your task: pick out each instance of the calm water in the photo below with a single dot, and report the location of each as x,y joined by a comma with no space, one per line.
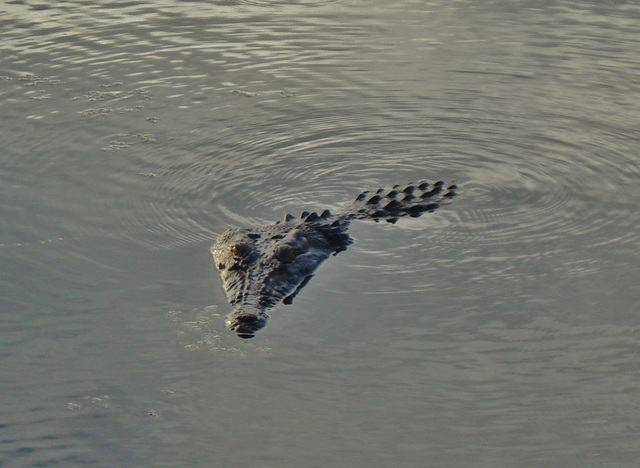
503,330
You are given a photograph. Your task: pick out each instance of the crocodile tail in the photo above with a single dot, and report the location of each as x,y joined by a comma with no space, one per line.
391,204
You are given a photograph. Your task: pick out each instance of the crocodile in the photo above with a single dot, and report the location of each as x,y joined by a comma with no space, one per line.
265,266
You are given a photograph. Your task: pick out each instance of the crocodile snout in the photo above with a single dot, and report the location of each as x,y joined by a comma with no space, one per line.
246,324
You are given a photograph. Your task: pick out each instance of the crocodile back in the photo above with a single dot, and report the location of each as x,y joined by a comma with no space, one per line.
398,201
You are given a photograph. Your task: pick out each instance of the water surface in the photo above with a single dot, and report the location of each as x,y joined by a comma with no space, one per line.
499,331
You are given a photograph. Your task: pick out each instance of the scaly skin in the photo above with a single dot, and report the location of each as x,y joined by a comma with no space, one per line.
264,266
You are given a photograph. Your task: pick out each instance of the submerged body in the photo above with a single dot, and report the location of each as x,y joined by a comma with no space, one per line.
264,266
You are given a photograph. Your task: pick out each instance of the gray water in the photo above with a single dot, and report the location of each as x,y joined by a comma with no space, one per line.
501,331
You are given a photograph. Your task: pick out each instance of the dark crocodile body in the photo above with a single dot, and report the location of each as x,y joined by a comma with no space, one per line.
264,266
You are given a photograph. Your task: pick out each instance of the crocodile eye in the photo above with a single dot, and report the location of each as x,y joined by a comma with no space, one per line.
286,254
240,250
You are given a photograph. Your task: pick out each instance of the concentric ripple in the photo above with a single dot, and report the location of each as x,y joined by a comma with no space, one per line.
192,125
135,133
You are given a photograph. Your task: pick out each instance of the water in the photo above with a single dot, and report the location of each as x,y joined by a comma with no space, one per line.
499,331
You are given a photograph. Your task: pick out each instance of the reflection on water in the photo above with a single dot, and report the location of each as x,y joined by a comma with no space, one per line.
498,332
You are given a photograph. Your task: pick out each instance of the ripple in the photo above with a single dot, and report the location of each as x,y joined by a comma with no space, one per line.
226,115
547,205
132,129
508,199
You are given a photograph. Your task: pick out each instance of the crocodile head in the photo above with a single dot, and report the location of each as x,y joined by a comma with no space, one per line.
265,266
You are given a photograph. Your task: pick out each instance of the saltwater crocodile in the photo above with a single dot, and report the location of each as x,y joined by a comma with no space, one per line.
267,265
